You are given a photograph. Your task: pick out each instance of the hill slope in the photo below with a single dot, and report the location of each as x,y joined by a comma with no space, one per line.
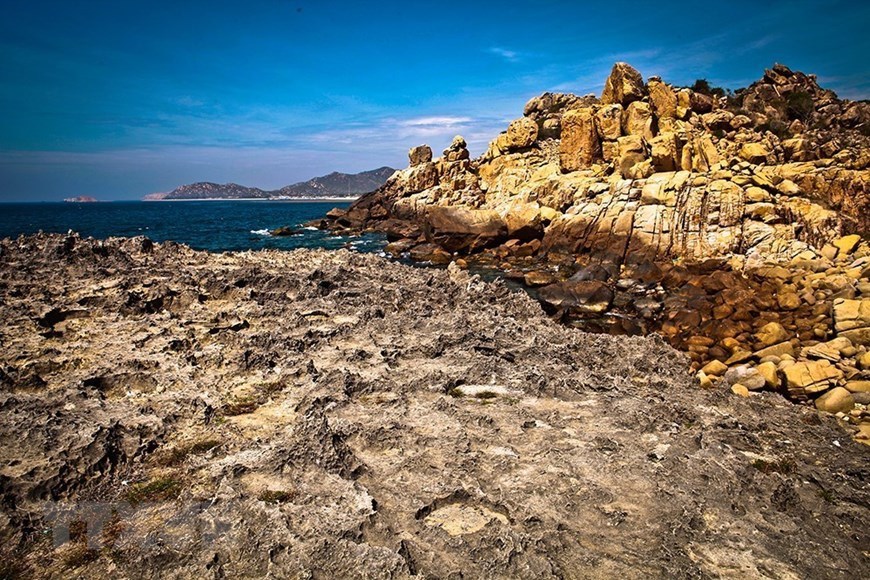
333,185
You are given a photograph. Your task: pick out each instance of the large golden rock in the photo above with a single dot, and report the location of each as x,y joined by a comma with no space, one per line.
704,154
524,221
837,400
637,120
809,377
609,120
521,134
754,152
630,153
852,320
623,86
457,151
770,334
419,177
419,155
663,98
579,146
664,152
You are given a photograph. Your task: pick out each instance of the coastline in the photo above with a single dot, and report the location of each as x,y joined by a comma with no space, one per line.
295,199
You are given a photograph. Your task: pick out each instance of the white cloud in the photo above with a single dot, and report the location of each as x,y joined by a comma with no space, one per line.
508,55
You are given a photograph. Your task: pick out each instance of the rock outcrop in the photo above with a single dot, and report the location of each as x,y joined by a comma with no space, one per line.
172,413
705,217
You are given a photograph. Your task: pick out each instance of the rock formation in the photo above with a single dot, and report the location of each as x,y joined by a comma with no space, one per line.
658,208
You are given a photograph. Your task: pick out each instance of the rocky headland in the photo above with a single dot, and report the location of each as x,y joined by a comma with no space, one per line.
734,225
312,414
336,184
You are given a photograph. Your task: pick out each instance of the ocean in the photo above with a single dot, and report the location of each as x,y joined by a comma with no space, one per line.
215,226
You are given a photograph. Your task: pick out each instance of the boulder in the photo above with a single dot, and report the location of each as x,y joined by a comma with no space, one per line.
430,253
718,120
700,103
521,134
787,187
740,390
548,104
663,99
637,120
705,155
630,153
609,122
771,333
580,297
754,152
769,372
831,350
746,376
457,228
537,278
457,151
420,177
623,86
664,152
837,400
810,377
757,195
847,244
523,221
852,320
714,368
858,386
798,149
779,350
546,110
419,155
579,146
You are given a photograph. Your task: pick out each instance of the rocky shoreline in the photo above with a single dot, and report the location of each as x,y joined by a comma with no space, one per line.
734,226
168,412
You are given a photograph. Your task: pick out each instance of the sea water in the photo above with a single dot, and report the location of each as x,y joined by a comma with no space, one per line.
204,225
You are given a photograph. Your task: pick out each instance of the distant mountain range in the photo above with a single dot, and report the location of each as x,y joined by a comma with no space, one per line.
333,185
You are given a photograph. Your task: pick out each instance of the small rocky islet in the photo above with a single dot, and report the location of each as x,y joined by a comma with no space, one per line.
733,225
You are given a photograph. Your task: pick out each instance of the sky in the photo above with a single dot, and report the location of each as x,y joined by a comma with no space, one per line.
118,99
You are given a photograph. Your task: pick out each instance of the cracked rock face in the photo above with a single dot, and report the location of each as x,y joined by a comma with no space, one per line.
171,412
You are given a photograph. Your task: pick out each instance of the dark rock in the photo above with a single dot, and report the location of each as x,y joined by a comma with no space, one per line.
583,297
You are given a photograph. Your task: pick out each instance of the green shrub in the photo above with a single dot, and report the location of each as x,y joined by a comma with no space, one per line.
799,105
703,86
777,127
160,489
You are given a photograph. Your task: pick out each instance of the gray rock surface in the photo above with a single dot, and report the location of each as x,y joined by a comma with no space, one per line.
328,414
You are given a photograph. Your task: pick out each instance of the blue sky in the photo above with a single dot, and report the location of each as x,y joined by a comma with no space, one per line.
119,99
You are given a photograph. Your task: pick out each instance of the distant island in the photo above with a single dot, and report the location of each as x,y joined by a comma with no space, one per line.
334,185
81,199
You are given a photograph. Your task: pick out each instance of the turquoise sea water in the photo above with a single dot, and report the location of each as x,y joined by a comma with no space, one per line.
204,225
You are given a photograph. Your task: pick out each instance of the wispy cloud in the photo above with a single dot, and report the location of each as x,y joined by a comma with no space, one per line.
506,54
397,135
